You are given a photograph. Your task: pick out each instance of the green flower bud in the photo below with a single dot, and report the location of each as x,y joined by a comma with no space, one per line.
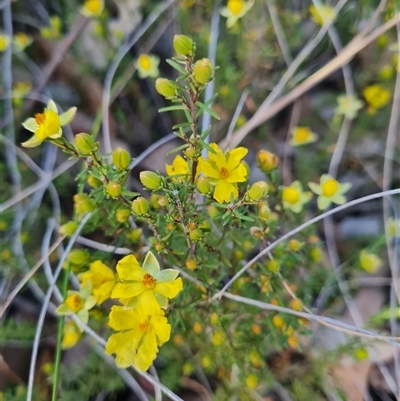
264,212
165,87
295,245
83,204
203,185
93,181
121,158
122,215
154,201
267,160
84,143
195,235
68,228
113,189
163,201
135,234
140,206
203,71
256,232
78,257
159,246
273,265
183,45
150,180
190,153
258,190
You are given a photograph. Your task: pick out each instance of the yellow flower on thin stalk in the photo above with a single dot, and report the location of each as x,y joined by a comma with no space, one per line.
21,40
225,171
370,262
376,97
302,136
147,66
92,8
234,10
71,335
4,41
47,124
148,286
138,338
294,198
179,167
323,14
329,191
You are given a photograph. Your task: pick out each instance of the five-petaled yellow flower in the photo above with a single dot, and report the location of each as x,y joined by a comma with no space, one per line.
376,97
329,191
179,167
225,171
322,14
348,106
369,261
148,286
47,124
147,66
302,135
102,279
294,198
234,10
92,8
138,338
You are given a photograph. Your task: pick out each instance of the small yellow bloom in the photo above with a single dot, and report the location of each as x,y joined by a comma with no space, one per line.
197,327
296,304
148,286
225,171
255,359
348,106
138,338
4,41
54,30
393,227
218,338
21,41
47,124
302,136
102,279
71,335
329,191
293,341
179,167
294,198
251,381
370,262
234,10
278,322
92,8
323,14
376,96
147,66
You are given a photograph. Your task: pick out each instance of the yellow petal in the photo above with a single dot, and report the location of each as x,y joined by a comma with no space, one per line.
208,170
148,303
169,289
122,290
238,174
235,156
122,319
32,142
147,352
161,328
129,270
223,190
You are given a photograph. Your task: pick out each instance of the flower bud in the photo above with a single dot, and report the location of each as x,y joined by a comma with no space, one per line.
191,264
267,160
295,245
113,189
83,204
258,190
68,228
121,158
273,265
159,246
183,45
256,232
264,212
203,71
150,180
296,304
192,226
195,235
203,185
122,215
93,181
140,206
135,234
84,143
163,201
190,153
78,257
154,201
165,88
213,211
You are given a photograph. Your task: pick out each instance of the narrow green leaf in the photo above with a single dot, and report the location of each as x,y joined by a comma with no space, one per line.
208,110
205,134
183,125
208,147
178,149
175,65
212,98
171,108
182,77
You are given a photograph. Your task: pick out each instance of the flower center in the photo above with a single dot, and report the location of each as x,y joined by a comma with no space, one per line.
302,134
94,6
74,302
290,195
144,62
330,187
40,118
235,6
144,326
149,281
224,172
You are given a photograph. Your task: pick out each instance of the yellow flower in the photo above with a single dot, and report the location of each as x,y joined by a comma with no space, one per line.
47,124
329,191
146,286
78,302
322,14
234,10
138,338
4,41
348,106
92,8
225,171
302,135
369,261
218,338
147,66
102,279
393,227
71,335
376,96
251,381
294,198
179,167
54,30
21,41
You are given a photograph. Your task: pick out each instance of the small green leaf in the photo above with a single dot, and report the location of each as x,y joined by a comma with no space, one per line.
208,110
178,149
212,98
183,125
205,134
208,147
171,108
175,65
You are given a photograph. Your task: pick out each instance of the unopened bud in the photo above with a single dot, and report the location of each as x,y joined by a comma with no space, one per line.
273,265
84,143
183,45
159,246
195,235
191,264
154,201
296,304
264,212
267,160
256,232
150,180
135,234
78,257
258,190
295,245
203,185
140,206
113,189
93,181
190,153
165,88
121,158
83,204
163,201
122,215
68,228
203,71
192,226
